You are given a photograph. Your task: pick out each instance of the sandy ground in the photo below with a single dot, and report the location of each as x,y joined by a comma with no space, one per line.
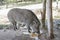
20,35
14,35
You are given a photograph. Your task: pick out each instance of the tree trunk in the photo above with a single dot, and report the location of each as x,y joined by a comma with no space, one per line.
43,14
57,4
49,19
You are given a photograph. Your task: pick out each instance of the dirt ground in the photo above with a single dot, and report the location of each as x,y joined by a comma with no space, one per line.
13,35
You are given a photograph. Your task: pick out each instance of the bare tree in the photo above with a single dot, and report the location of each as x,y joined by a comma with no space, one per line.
49,19
57,4
7,4
43,14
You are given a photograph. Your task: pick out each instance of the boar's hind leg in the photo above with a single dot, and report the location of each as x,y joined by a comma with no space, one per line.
14,25
29,29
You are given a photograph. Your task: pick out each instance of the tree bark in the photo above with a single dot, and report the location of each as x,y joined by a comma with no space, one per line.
43,14
49,19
